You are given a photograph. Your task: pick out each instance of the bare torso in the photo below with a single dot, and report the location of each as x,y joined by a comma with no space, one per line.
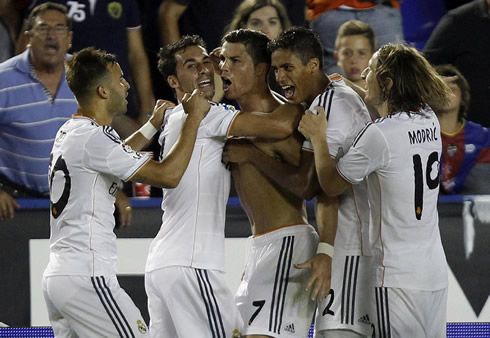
267,205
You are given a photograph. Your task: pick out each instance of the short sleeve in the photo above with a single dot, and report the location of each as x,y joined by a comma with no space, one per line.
105,152
219,120
368,153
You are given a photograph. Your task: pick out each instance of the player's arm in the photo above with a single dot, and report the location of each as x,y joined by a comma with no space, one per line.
168,172
299,180
276,125
140,139
313,127
140,72
169,14
326,211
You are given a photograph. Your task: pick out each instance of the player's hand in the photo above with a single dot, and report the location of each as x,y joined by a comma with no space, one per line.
158,114
214,55
313,125
196,104
237,151
124,209
7,206
321,271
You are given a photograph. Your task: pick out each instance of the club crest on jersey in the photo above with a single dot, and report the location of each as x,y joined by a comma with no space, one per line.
452,150
134,154
141,326
114,9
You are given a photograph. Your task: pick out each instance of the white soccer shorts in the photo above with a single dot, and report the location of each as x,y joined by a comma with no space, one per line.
188,302
272,298
348,304
410,313
83,306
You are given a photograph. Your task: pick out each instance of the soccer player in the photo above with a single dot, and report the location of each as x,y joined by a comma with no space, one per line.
184,274
399,155
271,298
298,63
88,164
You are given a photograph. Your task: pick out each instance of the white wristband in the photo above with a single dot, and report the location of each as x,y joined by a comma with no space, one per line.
148,130
325,248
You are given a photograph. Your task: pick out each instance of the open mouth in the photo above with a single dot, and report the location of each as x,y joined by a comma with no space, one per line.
289,91
226,84
204,84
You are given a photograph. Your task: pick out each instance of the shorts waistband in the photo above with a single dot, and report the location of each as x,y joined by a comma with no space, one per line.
286,230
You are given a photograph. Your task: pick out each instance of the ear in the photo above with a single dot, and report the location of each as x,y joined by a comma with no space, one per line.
173,82
103,92
261,69
313,65
336,55
389,83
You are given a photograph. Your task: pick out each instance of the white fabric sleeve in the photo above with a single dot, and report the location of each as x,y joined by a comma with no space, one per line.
368,153
219,120
105,152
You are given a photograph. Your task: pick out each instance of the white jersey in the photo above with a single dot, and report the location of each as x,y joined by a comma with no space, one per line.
347,115
88,162
400,156
193,222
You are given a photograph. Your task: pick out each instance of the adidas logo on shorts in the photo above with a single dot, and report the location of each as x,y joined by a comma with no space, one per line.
289,328
364,319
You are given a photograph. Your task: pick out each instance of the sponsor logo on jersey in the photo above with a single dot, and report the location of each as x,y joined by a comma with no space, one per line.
469,148
141,326
236,334
289,328
114,9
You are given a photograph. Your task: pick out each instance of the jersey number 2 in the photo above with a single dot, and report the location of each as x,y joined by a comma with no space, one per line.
432,183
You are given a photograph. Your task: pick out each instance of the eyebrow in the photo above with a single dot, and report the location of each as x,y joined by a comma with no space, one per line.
189,61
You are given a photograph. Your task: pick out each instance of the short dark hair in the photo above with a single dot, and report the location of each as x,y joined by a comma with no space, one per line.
167,64
86,70
415,82
47,6
356,27
462,83
301,41
255,43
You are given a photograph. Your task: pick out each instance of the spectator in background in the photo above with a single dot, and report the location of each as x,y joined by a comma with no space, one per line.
115,27
34,102
465,166
267,16
462,39
354,46
326,16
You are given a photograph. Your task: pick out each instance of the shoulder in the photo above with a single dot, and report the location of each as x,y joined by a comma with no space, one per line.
12,64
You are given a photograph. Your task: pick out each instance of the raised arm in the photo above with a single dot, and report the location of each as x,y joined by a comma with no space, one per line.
140,72
168,172
169,14
299,180
279,124
313,127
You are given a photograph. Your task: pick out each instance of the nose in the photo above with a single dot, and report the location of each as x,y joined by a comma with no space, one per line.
126,84
364,74
223,66
279,74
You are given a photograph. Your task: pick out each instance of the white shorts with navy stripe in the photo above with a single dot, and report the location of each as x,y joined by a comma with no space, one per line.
409,313
271,298
82,306
189,302
348,304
